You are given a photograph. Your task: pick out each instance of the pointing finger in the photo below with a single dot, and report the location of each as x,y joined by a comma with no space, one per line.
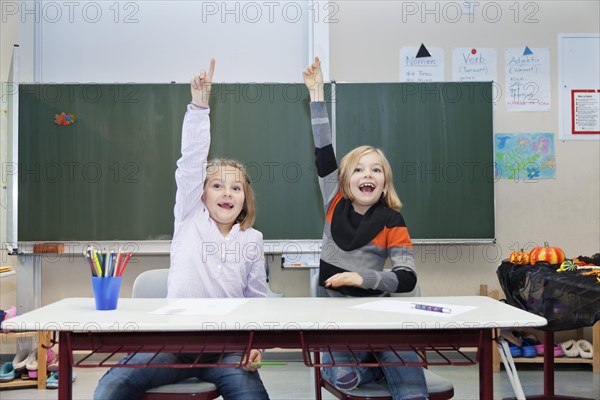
211,69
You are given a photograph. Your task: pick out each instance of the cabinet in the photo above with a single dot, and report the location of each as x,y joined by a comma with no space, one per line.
594,361
43,339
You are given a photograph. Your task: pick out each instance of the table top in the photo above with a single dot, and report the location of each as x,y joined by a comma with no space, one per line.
293,313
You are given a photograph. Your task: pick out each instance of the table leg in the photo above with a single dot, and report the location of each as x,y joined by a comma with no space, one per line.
486,367
317,373
549,363
65,369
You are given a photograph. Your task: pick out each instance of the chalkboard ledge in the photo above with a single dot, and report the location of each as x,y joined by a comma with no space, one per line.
163,247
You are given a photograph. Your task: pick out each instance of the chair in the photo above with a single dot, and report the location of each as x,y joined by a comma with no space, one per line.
438,388
153,284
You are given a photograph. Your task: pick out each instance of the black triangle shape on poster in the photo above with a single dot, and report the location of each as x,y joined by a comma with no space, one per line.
423,52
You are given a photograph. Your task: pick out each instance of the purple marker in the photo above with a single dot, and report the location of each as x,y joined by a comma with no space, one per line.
427,307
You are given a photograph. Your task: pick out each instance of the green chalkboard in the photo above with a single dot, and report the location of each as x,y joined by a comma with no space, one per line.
438,138
110,175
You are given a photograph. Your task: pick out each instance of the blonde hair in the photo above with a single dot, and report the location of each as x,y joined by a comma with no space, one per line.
349,161
248,214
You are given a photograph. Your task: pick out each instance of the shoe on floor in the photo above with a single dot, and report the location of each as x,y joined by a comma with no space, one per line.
531,340
514,343
51,356
32,365
539,349
21,358
52,381
585,348
7,372
528,350
570,348
558,351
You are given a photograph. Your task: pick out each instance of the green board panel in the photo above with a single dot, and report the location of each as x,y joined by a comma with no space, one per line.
438,138
110,175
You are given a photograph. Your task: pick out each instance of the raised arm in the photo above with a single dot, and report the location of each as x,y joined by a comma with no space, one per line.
324,154
195,142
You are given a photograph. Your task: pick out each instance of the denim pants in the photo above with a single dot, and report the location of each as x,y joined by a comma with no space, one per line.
403,382
132,383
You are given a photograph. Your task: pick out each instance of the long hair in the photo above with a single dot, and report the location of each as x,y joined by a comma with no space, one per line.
247,216
349,161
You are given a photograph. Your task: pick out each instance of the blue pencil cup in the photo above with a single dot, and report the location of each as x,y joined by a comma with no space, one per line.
106,292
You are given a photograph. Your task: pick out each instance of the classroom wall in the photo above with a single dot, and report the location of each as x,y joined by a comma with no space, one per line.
564,211
8,36
365,38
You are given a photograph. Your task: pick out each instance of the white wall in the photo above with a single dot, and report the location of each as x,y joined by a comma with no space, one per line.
161,41
8,36
365,38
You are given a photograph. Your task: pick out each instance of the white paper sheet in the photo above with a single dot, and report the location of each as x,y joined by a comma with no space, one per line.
405,307
527,79
200,307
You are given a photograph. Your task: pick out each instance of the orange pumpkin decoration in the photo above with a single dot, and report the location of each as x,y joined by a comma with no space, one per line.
519,257
552,255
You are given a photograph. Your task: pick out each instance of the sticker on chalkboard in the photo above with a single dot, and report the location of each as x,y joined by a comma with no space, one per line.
64,119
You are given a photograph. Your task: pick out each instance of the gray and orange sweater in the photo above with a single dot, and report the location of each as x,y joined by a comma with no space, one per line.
353,242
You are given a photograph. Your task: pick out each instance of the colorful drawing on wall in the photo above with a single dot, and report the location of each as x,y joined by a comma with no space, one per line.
524,156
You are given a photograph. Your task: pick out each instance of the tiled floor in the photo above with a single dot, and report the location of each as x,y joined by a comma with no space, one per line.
294,381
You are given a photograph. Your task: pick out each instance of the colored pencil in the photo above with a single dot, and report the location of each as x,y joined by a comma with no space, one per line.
124,264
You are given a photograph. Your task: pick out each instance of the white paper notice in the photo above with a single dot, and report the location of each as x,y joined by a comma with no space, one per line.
424,69
477,65
406,307
527,79
586,111
200,307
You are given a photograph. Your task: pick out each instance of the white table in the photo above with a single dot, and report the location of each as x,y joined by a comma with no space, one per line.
309,324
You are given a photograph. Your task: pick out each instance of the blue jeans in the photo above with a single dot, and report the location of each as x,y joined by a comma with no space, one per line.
403,382
132,383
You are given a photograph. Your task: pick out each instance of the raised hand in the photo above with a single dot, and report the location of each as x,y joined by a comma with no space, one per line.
201,86
313,78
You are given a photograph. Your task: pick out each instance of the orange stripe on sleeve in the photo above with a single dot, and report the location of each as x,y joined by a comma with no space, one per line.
393,237
334,202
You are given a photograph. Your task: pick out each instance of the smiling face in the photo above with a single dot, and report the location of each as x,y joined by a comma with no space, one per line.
224,196
367,182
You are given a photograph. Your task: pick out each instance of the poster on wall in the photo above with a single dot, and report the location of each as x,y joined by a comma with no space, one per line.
421,64
585,112
527,79
474,64
524,156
